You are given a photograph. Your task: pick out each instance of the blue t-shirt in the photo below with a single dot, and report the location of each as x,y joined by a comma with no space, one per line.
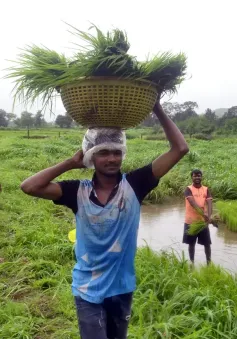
106,235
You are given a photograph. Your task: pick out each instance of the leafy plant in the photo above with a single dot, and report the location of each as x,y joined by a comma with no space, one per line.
228,213
196,227
40,72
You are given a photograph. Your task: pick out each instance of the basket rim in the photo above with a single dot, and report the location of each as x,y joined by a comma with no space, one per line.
112,78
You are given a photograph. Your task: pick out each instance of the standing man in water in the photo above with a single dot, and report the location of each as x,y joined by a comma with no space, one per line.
198,196
107,210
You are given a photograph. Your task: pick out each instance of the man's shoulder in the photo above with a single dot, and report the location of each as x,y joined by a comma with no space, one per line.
69,183
141,175
69,193
188,191
141,170
142,181
69,187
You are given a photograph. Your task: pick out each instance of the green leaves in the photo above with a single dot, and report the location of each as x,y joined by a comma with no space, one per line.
196,227
166,70
228,213
39,71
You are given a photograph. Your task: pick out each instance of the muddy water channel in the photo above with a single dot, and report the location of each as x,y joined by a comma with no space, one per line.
161,227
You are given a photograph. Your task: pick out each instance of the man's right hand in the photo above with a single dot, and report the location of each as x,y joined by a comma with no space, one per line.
77,160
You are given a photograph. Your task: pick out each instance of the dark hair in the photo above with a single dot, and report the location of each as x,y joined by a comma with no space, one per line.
196,171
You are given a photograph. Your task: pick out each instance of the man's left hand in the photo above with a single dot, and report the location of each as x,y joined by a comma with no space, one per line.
207,218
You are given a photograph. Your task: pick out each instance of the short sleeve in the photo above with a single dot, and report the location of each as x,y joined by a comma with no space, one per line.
69,194
142,181
188,193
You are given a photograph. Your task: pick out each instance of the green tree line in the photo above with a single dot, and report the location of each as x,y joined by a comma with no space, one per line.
184,115
189,122
29,120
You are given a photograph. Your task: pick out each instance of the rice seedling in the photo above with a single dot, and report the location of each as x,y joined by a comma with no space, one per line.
228,213
199,225
40,72
196,227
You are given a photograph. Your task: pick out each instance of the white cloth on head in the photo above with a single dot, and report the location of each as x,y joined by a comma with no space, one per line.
97,139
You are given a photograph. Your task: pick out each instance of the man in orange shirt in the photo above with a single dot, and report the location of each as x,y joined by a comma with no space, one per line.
198,197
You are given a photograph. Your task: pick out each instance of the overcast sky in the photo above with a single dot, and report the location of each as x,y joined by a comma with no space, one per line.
205,30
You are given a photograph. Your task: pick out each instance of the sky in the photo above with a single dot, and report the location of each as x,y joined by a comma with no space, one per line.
205,30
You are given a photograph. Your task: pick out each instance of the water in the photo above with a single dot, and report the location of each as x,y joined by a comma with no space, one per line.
161,227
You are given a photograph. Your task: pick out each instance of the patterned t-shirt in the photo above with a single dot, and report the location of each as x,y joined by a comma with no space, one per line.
106,235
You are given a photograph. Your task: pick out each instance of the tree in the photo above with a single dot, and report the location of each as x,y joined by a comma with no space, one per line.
192,126
182,125
64,121
210,115
180,112
184,115
11,117
205,126
17,122
231,125
150,121
3,118
189,105
27,119
231,113
39,119
171,109
188,111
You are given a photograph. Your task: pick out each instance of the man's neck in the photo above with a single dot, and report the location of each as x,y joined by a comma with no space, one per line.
197,185
106,182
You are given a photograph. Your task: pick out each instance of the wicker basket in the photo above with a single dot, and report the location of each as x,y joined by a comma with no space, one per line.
109,102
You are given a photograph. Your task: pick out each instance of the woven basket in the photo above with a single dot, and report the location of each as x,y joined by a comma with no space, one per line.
109,102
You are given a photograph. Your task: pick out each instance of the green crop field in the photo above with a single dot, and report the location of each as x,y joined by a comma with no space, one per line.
228,213
216,158
172,301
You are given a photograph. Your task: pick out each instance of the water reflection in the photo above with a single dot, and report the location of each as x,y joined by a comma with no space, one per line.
161,227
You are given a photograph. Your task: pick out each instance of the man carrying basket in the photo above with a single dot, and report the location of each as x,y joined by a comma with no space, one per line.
107,211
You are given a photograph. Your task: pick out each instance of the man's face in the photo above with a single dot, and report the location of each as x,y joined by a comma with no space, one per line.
197,178
108,162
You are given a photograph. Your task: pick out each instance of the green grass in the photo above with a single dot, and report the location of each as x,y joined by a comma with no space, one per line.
172,301
228,213
216,158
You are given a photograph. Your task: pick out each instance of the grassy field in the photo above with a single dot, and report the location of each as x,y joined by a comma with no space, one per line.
216,158
228,213
36,257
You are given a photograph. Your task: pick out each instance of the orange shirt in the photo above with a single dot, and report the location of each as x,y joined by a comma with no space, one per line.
200,196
